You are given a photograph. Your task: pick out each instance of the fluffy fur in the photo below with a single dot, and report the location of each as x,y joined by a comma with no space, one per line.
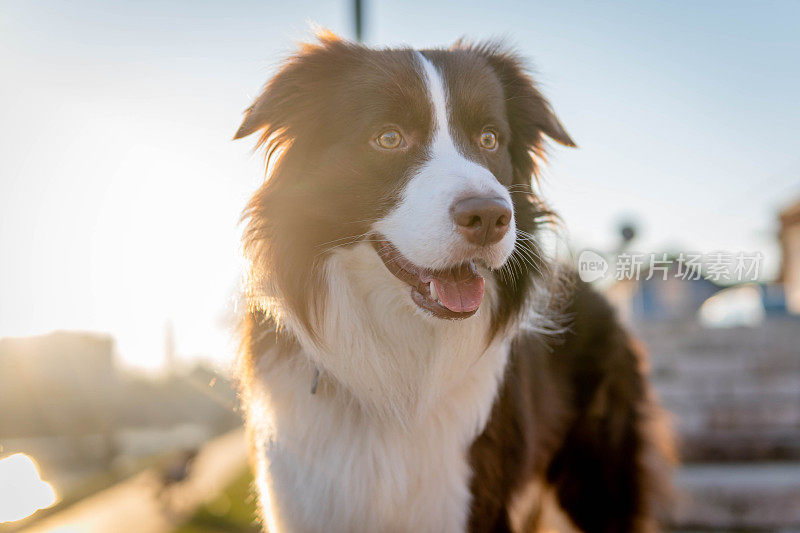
366,412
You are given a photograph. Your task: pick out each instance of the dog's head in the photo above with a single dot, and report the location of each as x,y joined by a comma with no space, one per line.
427,155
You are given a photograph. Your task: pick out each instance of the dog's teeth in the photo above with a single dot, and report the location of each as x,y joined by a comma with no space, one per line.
434,295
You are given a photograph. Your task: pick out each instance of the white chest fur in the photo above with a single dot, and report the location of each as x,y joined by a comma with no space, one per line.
385,448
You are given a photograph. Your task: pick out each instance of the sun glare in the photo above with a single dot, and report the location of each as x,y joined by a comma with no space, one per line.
22,489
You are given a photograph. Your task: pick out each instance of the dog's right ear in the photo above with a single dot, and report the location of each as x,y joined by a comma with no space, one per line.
293,97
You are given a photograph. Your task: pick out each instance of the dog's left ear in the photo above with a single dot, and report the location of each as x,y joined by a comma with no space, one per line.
529,113
528,110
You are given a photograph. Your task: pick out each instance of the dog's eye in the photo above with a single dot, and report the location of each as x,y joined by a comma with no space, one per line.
489,140
390,139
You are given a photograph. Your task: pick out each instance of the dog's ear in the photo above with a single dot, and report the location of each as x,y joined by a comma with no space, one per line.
294,97
529,113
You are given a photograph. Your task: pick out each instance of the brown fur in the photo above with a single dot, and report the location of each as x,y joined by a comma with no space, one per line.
575,412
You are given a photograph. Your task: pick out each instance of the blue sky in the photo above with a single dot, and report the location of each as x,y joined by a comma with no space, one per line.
120,189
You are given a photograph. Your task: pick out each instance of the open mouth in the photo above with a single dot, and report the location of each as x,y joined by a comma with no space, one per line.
453,293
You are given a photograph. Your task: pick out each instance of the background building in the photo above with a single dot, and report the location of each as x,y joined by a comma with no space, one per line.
790,255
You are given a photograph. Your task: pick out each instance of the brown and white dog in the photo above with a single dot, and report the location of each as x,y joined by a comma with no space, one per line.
409,360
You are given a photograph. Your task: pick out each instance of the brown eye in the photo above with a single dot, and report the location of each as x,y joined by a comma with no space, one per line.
390,139
489,140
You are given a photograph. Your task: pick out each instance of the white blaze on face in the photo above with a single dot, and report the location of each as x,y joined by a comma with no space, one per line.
421,226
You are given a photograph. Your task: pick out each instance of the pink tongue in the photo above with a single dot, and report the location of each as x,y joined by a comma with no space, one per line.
460,289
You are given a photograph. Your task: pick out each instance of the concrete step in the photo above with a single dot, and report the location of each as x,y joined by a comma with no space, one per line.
765,444
738,496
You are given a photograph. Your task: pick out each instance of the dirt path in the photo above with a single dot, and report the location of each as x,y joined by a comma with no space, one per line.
136,505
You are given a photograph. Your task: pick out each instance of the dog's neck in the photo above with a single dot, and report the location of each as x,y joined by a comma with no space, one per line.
376,346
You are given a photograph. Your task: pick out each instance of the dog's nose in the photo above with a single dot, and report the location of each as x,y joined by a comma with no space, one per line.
482,221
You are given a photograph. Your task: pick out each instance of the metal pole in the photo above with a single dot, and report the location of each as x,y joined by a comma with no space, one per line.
359,19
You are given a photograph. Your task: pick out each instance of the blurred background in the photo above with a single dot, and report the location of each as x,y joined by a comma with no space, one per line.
120,193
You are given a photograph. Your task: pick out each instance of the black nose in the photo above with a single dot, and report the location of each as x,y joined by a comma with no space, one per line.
482,221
